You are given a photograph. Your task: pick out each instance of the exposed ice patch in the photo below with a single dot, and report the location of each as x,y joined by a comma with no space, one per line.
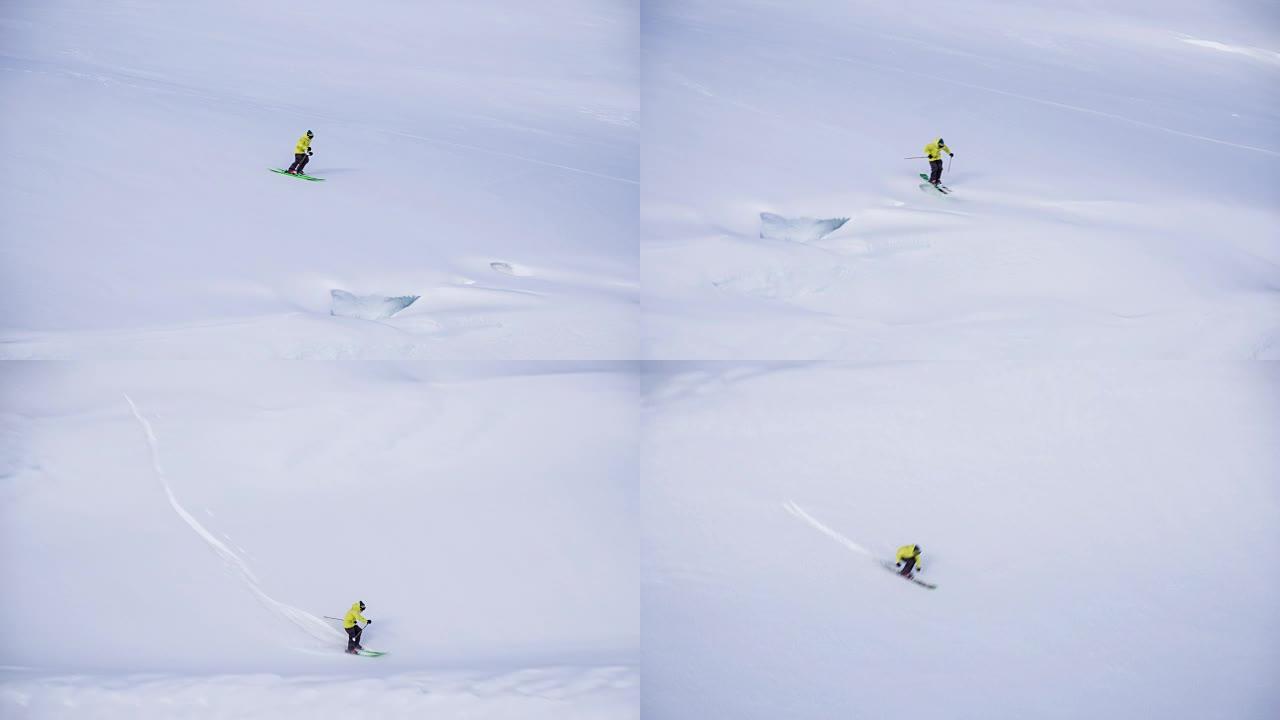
367,307
776,227
509,269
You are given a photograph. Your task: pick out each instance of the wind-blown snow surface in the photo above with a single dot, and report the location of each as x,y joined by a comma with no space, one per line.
176,536
1114,184
138,216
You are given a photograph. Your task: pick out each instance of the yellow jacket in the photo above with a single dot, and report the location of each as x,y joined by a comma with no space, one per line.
353,615
906,552
935,149
304,144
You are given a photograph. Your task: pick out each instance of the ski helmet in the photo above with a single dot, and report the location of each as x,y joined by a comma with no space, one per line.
917,547
361,604
940,140
310,134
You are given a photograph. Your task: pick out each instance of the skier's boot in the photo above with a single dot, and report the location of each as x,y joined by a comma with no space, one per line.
353,651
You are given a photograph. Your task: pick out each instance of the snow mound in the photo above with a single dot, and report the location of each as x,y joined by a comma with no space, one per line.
776,227
367,307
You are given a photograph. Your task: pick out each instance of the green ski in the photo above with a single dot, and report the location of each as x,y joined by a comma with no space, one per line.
282,171
940,188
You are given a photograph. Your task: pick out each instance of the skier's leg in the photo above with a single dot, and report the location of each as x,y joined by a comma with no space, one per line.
302,163
352,634
294,165
935,171
906,567
359,631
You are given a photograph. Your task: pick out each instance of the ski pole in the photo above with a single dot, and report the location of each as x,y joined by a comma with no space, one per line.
953,157
914,157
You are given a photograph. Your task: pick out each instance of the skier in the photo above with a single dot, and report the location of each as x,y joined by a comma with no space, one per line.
909,559
934,151
351,623
301,154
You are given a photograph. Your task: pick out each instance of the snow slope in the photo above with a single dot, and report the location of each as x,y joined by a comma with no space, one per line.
1114,181
1059,380
1103,537
177,533
138,216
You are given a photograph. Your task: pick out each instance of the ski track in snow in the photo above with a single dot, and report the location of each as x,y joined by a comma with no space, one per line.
1256,53
816,524
317,629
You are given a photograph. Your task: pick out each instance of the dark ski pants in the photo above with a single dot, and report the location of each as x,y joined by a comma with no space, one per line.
353,634
935,171
909,563
299,162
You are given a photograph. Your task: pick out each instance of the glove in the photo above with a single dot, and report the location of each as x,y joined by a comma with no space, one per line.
308,152
953,154
367,623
